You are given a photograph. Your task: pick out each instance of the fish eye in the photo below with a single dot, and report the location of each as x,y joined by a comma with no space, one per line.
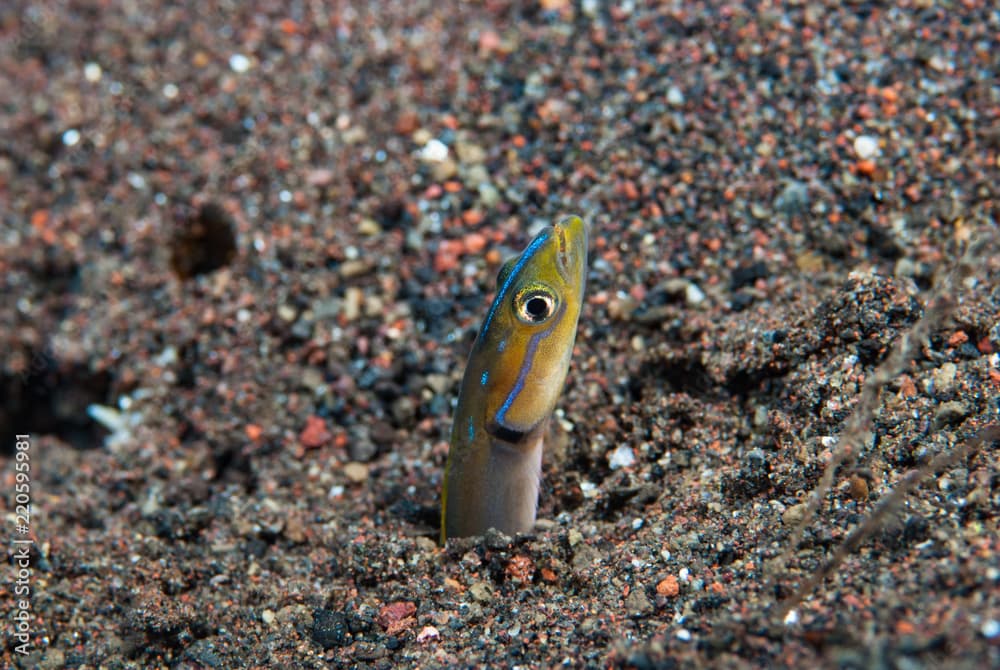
535,305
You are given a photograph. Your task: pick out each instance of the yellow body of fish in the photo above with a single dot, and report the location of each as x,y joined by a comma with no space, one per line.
513,378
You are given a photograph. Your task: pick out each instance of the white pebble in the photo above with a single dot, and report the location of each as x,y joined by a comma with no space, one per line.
693,295
684,635
675,96
990,629
92,72
136,180
107,417
792,618
170,91
940,63
622,457
71,137
434,151
865,146
166,357
239,63
428,633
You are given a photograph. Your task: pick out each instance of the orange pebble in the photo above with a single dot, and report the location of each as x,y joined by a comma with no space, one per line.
631,192
668,587
907,388
447,255
254,431
475,243
472,217
995,377
315,434
865,111
39,218
866,167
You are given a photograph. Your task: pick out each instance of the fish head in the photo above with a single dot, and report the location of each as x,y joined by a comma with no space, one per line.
528,335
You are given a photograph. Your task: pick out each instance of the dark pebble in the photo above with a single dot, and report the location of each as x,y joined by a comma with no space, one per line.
203,652
494,539
747,275
383,434
330,629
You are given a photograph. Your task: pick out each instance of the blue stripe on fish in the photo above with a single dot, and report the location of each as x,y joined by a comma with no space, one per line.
535,245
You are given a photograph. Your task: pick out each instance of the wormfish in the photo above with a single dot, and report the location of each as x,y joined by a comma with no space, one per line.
512,381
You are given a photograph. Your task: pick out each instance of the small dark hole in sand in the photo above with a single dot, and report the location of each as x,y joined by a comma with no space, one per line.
203,242
50,398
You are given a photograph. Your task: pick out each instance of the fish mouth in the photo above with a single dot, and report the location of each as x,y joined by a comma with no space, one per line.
571,239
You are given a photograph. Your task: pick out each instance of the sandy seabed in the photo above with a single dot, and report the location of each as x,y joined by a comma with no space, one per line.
245,248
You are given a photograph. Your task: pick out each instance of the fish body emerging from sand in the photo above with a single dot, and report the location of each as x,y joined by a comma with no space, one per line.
512,381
